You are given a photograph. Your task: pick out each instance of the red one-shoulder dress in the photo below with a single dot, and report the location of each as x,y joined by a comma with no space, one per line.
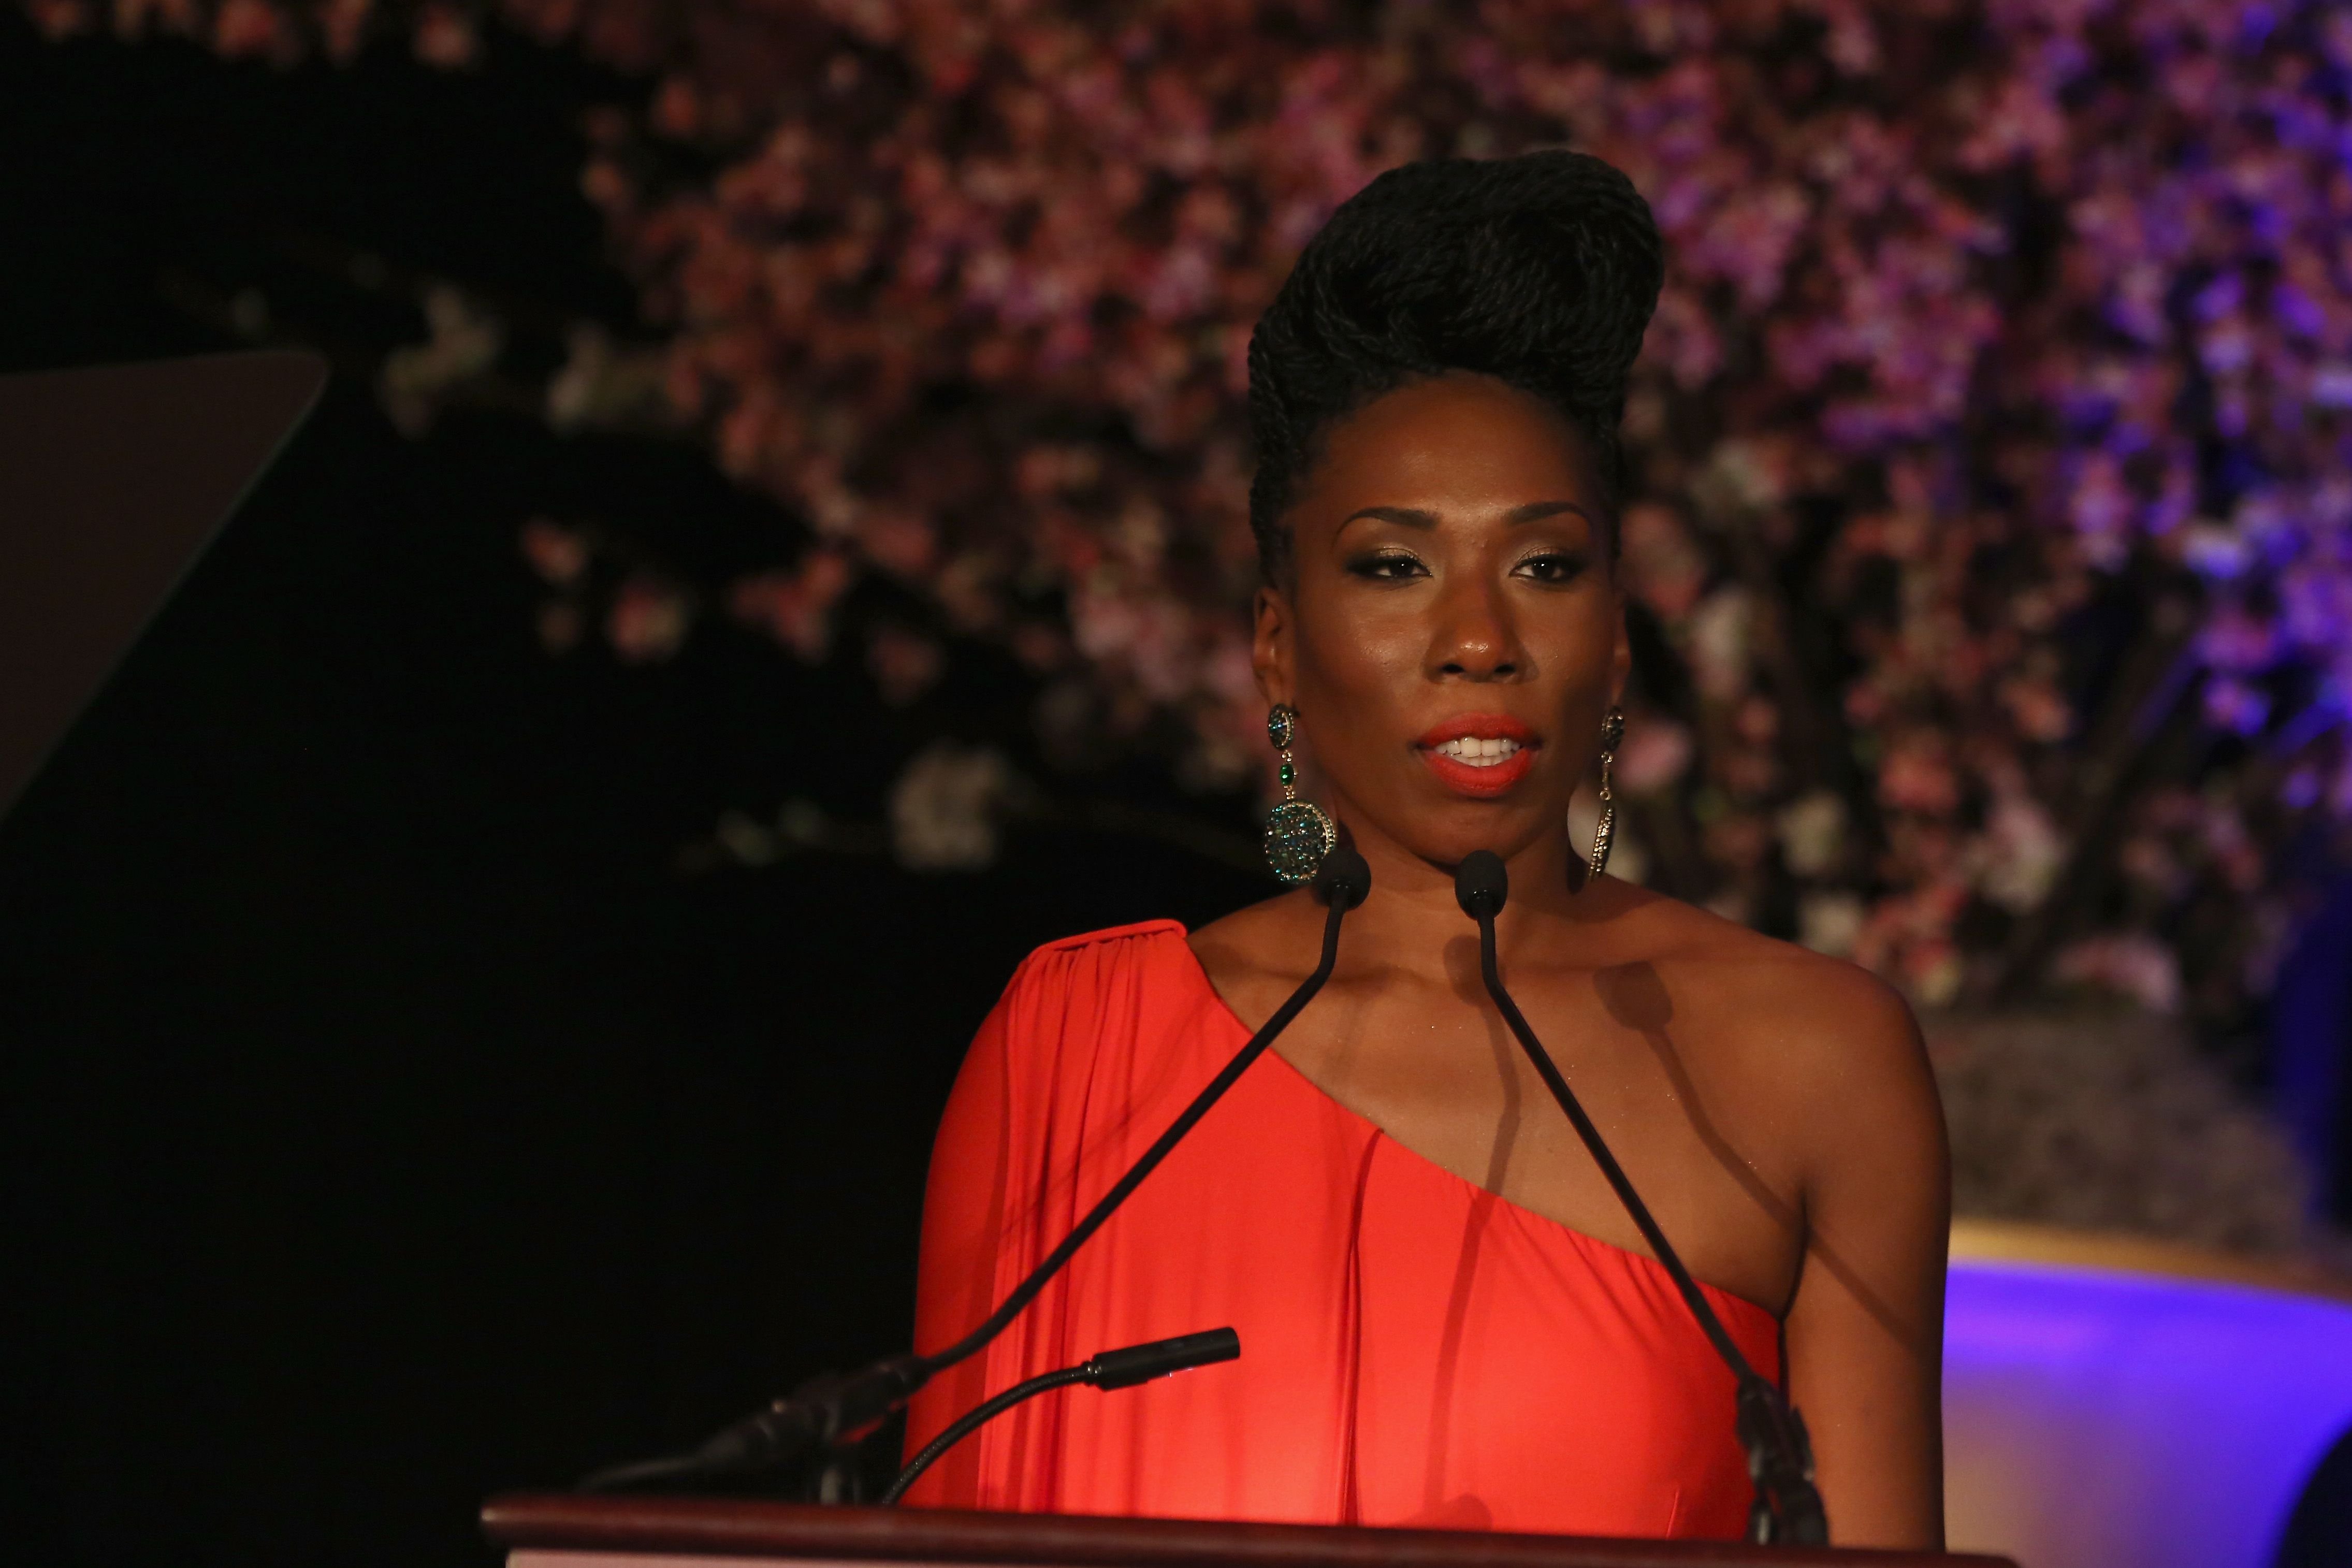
1415,1350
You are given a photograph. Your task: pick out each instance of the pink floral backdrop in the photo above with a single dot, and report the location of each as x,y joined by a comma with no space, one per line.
1991,541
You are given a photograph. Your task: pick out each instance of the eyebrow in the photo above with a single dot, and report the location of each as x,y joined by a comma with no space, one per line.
1415,517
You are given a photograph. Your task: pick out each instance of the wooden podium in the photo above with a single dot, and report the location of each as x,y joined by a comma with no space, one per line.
575,1531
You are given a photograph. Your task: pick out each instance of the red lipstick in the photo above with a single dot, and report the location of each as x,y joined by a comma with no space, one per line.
1485,779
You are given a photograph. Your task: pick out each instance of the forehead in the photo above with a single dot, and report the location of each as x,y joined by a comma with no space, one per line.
1452,442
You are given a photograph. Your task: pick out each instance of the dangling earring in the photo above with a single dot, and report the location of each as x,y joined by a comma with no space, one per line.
1297,833
1612,730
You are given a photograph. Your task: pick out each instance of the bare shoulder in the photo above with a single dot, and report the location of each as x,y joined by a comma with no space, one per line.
1776,994
1264,937
1827,1043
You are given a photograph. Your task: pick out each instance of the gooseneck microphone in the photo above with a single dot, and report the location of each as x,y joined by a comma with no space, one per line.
835,1409
1106,1370
1788,1507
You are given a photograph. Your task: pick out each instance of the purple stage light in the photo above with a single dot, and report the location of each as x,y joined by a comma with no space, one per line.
2104,1419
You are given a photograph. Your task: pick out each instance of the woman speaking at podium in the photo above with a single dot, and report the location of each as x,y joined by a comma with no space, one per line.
1446,1318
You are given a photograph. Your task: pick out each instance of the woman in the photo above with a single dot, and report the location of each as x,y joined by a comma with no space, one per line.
1446,1319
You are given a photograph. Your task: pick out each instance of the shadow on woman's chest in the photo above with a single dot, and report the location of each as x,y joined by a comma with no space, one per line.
1432,1065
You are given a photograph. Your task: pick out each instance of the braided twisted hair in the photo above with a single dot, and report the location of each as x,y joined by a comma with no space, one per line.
1541,270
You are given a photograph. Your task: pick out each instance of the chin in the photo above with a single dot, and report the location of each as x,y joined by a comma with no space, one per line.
1506,831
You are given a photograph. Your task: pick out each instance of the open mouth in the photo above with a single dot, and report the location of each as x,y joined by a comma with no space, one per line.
1479,755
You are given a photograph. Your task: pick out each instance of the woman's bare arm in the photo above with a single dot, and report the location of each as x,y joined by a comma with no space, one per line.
1864,1331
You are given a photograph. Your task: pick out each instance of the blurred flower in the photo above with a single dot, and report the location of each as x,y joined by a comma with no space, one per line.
1917,777
1738,478
647,621
749,842
1719,643
559,554
1830,923
1932,971
944,808
446,37
599,383
2126,964
463,340
1654,754
246,28
2037,708
2216,549
1812,833
903,664
2236,707
795,608
1664,566
2020,854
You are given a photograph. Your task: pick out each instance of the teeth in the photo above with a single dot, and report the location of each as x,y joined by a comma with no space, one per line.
1477,753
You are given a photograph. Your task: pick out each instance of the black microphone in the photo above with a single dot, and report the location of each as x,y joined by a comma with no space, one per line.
1788,1507
1107,1370
833,1410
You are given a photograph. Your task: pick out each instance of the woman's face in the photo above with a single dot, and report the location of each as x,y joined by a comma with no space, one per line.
1451,634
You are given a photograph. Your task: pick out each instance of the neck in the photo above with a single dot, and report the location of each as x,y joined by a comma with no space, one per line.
1411,914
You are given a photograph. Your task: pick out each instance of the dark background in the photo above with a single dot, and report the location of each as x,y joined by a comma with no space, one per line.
387,1120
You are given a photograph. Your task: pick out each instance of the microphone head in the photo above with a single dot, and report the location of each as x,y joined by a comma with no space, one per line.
1343,880
1481,885
1141,1364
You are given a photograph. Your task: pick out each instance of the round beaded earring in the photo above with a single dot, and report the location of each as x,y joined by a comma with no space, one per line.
1298,834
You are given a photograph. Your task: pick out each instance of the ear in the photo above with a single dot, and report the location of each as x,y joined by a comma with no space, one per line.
1271,645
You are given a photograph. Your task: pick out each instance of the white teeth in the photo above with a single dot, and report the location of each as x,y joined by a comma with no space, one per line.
1478,752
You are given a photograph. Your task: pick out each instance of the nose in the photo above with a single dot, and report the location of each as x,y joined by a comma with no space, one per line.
1475,637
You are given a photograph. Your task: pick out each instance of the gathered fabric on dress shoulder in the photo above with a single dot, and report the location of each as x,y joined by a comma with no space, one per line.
1415,1350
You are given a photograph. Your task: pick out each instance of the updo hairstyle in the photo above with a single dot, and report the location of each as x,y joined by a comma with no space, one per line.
1541,270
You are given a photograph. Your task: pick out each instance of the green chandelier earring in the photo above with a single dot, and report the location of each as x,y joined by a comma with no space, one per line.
1297,833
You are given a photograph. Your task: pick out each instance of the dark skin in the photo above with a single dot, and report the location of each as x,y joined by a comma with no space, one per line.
1449,555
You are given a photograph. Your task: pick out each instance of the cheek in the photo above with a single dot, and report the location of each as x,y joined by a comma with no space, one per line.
1355,656
1575,641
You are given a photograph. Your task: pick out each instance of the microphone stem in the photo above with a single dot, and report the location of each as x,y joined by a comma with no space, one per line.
1593,1143
1788,1507
1108,1370
980,1415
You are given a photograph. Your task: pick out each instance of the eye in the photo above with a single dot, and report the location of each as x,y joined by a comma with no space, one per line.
1551,566
1387,566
